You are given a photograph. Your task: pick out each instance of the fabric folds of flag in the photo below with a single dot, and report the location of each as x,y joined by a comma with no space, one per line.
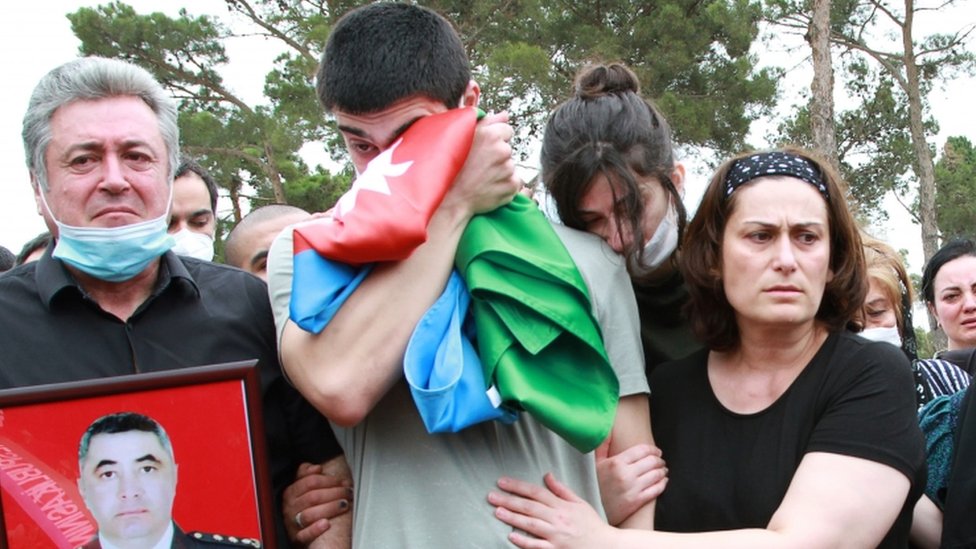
443,370
319,286
384,216
537,336
539,348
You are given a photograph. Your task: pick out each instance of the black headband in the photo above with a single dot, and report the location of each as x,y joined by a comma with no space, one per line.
750,167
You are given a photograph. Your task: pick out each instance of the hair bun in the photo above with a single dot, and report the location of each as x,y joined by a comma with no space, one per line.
605,79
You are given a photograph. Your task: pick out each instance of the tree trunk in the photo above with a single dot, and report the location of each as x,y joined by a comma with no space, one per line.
822,86
235,197
271,170
924,166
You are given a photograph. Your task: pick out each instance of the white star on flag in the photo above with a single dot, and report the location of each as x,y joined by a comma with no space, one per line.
373,179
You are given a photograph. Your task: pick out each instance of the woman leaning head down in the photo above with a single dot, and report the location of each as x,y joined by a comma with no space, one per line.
608,163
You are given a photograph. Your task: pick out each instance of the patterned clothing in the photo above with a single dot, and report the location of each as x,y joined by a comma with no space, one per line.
939,420
937,378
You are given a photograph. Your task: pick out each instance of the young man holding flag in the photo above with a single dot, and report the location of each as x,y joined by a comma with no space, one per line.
385,67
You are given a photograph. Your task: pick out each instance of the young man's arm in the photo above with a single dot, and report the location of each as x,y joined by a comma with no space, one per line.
347,368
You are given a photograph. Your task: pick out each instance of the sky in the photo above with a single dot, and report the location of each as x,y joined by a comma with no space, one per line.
38,37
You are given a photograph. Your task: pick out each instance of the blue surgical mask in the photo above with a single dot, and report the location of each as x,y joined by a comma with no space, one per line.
113,254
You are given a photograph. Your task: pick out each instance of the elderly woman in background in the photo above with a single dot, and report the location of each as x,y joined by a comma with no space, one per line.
788,430
887,316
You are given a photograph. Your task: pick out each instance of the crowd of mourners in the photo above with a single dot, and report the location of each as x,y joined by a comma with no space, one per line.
765,386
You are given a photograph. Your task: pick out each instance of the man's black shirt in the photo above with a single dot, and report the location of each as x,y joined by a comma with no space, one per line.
199,313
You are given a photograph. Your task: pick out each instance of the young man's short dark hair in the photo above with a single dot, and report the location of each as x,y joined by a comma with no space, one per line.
382,53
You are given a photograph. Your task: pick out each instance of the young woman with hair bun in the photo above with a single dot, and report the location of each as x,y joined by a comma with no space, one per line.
608,163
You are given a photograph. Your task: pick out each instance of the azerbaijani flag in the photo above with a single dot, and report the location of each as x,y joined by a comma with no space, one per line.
539,347
384,216
538,338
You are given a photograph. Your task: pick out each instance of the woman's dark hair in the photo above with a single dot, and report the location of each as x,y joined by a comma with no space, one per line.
954,249
608,129
712,316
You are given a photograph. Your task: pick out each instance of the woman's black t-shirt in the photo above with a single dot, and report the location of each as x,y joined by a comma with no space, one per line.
729,470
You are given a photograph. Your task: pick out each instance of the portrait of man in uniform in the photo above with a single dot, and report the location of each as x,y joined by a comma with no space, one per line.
127,477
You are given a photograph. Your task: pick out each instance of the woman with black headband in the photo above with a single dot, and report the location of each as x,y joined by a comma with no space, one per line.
788,430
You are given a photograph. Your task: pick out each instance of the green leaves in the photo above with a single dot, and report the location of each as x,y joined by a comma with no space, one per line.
692,57
955,179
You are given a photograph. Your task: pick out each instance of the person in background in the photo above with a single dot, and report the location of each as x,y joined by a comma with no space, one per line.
949,288
308,502
101,144
193,215
248,243
788,430
608,164
887,316
34,248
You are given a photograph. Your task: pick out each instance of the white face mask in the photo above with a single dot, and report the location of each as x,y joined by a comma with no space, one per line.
888,335
662,244
193,244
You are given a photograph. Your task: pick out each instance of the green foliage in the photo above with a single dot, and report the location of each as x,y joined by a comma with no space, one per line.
319,191
926,348
955,179
873,140
692,57
876,149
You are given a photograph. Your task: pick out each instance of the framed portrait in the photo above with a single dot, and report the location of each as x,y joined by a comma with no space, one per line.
83,459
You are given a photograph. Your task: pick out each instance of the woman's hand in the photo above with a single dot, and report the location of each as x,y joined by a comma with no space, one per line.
554,517
630,479
312,500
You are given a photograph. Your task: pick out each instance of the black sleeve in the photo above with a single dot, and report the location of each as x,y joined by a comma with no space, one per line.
870,410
